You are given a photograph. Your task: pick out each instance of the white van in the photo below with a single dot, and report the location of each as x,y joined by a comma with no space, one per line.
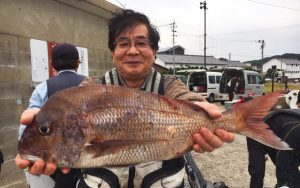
206,83
251,83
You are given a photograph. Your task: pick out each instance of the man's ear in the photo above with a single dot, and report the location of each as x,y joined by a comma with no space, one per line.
112,56
77,63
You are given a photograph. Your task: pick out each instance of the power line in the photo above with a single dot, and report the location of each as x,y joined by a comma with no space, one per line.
273,5
190,34
233,40
121,4
165,25
258,30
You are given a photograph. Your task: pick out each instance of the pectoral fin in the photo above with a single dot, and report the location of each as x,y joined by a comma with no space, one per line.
114,146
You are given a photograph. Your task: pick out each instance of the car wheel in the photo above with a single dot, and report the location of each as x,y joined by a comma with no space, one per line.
211,98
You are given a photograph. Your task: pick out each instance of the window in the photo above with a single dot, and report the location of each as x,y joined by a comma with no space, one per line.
212,79
218,78
254,79
258,79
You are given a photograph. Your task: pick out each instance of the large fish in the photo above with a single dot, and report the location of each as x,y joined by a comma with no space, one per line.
101,125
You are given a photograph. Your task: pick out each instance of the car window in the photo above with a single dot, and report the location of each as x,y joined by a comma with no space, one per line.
253,79
212,79
218,78
258,80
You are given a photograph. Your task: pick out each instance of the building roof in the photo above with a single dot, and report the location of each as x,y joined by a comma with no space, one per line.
190,59
234,64
290,61
169,49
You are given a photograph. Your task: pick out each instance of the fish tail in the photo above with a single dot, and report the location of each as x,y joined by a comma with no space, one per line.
250,120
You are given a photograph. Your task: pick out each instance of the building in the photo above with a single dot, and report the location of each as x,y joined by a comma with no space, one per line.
185,61
179,50
165,58
230,63
28,29
291,67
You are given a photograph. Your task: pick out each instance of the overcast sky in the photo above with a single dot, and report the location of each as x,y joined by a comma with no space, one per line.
232,26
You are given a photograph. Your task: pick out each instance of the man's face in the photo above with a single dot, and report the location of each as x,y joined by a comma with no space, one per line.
133,55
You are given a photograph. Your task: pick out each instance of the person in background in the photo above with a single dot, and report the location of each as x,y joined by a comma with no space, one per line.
286,124
257,156
133,41
298,100
65,62
232,86
1,159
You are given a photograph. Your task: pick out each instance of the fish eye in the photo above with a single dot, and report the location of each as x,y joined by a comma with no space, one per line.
44,130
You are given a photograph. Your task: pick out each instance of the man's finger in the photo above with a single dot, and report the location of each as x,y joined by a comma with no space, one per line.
21,163
211,141
212,110
49,169
37,168
65,170
202,143
27,115
225,136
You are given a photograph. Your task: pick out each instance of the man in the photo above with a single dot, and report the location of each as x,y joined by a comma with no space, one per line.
232,86
298,100
1,159
286,124
134,42
65,61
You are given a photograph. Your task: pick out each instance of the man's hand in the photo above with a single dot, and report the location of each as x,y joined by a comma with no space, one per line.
38,167
28,115
205,140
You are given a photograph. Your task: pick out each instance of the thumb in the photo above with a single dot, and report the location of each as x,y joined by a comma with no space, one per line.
65,170
28,115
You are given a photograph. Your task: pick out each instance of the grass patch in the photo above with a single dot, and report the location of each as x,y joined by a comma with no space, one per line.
281,86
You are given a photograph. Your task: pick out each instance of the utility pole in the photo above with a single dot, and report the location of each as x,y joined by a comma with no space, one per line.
203,6
173,26
262,46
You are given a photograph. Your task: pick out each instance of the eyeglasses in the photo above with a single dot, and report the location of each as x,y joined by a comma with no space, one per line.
141,44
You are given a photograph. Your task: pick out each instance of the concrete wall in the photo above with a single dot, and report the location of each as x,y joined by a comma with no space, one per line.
82,23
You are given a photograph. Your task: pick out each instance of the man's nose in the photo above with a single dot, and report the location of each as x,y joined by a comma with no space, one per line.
132,49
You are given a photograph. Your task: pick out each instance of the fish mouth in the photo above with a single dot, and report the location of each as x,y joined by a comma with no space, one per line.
31,158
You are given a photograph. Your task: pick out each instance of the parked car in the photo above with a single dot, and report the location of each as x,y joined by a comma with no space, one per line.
206,83
251,83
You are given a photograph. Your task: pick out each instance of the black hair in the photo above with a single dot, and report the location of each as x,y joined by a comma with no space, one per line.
127,18
64,56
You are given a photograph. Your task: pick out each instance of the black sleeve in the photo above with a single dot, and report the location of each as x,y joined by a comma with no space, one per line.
1,157
285,124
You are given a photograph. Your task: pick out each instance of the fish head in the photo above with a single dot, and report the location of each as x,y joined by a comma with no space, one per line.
41,138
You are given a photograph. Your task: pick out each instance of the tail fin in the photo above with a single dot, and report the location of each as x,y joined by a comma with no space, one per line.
250,121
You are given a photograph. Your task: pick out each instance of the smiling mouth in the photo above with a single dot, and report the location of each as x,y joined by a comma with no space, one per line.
133,62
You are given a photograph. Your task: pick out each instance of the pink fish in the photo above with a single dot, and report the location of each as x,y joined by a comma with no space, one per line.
102,125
